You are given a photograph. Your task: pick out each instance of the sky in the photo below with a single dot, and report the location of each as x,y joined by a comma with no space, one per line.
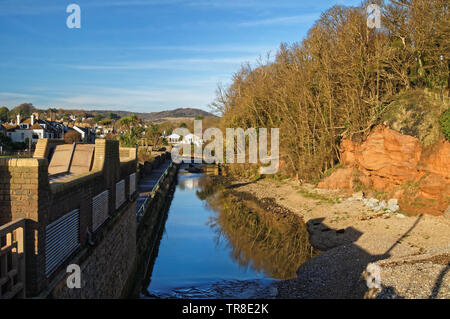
140,55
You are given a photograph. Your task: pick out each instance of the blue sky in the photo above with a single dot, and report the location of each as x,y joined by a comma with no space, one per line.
139,55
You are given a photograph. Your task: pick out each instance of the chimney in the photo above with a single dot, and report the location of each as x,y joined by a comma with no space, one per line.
32,119
18,119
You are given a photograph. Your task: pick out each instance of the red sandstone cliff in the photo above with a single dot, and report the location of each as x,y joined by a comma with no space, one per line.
396,166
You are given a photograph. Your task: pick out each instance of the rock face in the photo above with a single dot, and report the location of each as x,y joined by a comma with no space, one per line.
447,213
397,164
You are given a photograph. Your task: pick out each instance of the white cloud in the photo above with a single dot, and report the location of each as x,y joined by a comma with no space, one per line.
137,100
12,99
288,20
141,100
170,64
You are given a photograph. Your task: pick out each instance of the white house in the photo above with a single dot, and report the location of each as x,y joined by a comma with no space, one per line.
192,139
87,135
173,138
31,129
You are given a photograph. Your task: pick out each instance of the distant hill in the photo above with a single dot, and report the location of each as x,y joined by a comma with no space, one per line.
157,116
181,113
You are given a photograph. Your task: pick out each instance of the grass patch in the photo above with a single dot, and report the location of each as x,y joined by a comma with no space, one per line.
308,194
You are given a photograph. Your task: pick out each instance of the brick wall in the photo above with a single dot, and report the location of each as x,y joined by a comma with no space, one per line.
45,147
104,273
25,192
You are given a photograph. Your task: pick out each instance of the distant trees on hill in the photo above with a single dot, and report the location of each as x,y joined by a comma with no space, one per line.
25,110
4,114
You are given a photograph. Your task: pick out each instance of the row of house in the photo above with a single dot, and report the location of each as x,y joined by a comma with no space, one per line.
187,139
31,129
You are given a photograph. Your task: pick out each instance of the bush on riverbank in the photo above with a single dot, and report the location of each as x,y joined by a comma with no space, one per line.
445,124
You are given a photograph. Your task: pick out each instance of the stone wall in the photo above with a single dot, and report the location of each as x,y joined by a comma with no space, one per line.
27,192
111,257
149,232
45,147
106,267
19,188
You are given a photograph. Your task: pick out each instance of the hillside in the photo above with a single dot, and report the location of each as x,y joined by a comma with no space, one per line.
181,113
155,116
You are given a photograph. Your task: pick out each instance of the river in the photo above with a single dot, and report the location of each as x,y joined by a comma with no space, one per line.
213,247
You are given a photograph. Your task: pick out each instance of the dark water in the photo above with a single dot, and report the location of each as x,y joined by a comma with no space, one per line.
211,250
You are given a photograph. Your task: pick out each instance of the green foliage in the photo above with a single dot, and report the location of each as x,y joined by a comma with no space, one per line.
113,116
416,113
131,137
9,145
98,118
25,110
6,142
444,121
153,134
4,114
316,196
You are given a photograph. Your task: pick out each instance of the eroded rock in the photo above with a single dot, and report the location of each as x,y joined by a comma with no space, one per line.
391,162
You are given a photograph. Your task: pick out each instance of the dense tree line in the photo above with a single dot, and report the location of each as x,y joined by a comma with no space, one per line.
339,80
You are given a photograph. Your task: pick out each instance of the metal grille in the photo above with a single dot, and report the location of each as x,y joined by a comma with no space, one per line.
120,193
99,209
61,240
132,183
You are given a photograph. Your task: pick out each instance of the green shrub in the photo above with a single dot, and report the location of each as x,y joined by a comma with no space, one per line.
445,124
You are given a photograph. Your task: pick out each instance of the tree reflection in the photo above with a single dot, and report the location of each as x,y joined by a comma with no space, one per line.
274,242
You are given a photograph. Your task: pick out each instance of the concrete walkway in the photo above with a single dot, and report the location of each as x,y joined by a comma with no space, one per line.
148,182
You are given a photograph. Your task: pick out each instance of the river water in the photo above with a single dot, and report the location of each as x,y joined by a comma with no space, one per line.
210,249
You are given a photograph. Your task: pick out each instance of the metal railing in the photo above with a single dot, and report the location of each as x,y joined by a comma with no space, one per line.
12,260
149,198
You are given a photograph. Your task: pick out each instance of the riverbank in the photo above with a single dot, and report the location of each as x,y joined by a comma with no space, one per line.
413,252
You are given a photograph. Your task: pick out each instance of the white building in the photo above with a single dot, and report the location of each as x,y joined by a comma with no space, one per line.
173,138
31,129
87,135
192,139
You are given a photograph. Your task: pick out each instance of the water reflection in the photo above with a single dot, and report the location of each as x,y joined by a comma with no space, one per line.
219,245
275,243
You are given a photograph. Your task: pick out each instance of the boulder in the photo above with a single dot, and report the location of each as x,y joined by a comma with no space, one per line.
372,202
358,195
